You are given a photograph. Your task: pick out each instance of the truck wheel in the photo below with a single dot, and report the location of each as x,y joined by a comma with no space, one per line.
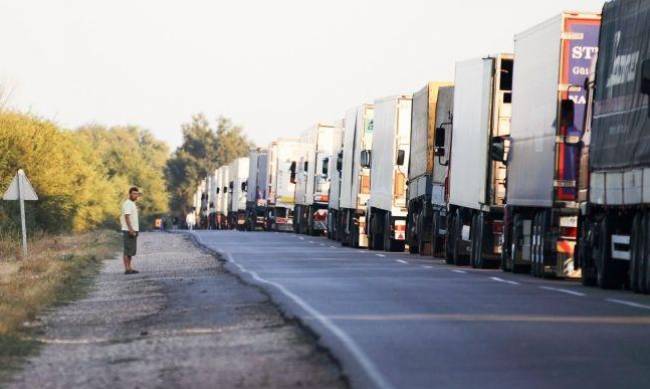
413,232
585,253
516,251
451,235
472,252
535,247
605,276
435,244
456,256
421,234
388,246
637,255
645,266
480,236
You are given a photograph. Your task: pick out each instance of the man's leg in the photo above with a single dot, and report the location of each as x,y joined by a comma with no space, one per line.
127,262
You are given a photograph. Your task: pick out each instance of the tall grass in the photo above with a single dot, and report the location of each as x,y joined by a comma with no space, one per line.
54,271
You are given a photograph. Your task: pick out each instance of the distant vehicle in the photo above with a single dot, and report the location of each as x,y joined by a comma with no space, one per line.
355,176
256,190
614,222
424,161
334,167
477,187
388,162
313,179
283,157
237,189
548,111
223,197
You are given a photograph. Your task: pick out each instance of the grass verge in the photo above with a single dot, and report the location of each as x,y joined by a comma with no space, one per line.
57,270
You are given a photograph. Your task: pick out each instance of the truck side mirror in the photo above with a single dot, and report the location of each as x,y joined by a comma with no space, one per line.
339,161
401,154
645,77
231,185
440,141
498,149
366,158
225,189
292,169
325,169
305,167
218,190
244,186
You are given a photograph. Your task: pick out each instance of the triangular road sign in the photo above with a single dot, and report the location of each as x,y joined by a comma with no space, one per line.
27,192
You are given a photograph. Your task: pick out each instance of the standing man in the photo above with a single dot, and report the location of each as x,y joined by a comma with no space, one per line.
130,228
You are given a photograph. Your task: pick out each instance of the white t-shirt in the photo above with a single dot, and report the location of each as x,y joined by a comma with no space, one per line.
129,208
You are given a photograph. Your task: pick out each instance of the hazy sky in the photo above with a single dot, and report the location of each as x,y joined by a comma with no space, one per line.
276,67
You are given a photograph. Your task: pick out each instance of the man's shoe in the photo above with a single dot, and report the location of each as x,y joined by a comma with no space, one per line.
131,271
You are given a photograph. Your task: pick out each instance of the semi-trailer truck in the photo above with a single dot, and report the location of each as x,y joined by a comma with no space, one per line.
256,189
313,179
548,110
614,221
477,188
388,163
355,176
284,155
422,159
237,187
334,167
224,203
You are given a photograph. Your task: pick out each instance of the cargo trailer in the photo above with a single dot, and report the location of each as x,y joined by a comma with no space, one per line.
238,173
388,162
477,178
614,219
224,198
256,190
212,193
355,176
419,224
548,110
283,157
313,179
334,166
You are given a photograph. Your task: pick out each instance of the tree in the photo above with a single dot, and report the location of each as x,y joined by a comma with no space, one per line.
131,156
203,150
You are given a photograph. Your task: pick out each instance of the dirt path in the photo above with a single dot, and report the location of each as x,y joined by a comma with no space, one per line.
182,322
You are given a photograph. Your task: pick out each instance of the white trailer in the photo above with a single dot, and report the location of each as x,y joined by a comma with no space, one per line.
548,110
389,159
238,173
312,180
334,165
256,189
482,110
223,197
283,158
355,176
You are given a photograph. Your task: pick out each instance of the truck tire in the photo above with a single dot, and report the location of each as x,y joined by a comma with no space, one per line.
455,254
605,272
473,231
435,237
515,252
451,234
637,255
413,233
388,241
645,268
585,253
421,234
479,261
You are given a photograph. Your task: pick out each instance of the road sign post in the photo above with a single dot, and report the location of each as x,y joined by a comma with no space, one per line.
21,189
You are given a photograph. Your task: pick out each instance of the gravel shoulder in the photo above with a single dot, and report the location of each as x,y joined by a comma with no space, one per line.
182,322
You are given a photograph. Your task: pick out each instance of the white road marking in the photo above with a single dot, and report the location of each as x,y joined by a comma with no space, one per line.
427,267
322,244
333,247
562,290
628,303
380,255
370,369
497,279
301,238
402,261
459,271
311,241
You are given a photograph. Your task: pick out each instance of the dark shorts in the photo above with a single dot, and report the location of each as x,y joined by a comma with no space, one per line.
130,243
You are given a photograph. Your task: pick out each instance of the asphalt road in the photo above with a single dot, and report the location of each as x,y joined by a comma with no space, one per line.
400,321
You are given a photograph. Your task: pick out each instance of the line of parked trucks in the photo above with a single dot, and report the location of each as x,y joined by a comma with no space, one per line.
535,161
